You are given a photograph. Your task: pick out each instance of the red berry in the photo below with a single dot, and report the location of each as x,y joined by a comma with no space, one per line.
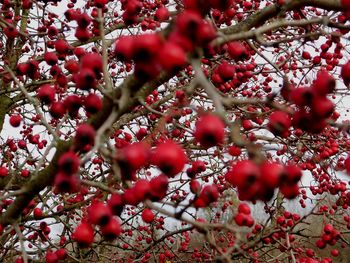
134,156
237,51
124,48
243,174
85,135
99,213
15,120
62,46
195,187
57,109
92,61
51,257
112,229
51,58
226,70
162,14
69,163
46,94
116,204
345,73
279,123
93,103
210,131
271,174
4,171
85,79
146,47
324,83
61,254
38,213
84,234
159,187
147,215
172,57
169,157
142,189
244,208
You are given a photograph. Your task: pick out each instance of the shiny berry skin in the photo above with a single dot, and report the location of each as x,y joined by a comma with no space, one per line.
66,183
15,120
209,194
147,215
210,131
142,189
289,191
85,79
72,104
161,15
82,34
292,174
84,235
99,213
169,157
226,70
112,229
234,150
188,23
195,186
243,174
237,51
61,254
244,208
62,46
134,156
4,171
146,47
172,57
37,212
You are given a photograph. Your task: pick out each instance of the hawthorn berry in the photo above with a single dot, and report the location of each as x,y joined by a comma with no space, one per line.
210,131
93,103
84,234
169,157
85,136
4,171
15,120
112,229
46,94
279,123
147,215
69,162
99,213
